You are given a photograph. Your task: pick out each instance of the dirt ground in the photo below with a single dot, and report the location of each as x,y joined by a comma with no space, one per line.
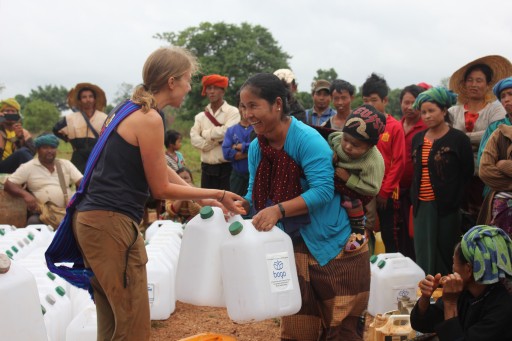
189,320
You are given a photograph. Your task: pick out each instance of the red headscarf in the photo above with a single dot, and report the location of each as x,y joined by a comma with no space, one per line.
217,80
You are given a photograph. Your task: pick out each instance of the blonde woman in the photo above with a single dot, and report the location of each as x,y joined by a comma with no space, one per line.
125,165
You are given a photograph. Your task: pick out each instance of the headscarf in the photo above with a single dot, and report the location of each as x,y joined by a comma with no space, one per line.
439,95
10,102
216,80
46,140
503,84
489,251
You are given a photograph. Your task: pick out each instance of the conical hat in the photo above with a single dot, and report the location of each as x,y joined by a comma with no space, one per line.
74,102
500,66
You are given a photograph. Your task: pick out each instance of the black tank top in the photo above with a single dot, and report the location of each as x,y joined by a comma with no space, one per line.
118,182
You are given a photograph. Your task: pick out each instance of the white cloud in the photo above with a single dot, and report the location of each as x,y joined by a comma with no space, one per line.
63,42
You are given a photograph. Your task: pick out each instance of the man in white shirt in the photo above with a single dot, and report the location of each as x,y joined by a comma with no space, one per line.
209,130
39,183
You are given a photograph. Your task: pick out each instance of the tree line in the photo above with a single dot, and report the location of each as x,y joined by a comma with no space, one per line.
236,51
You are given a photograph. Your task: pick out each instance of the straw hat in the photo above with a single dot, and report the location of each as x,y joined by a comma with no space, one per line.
101,99
500,66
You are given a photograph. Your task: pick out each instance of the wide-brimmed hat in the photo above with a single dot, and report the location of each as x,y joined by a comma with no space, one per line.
74,102
500,66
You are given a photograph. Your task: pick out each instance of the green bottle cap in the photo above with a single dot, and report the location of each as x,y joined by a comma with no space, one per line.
2,232
373,259
15,249
235,228
43,309
31,236
206,212
51,275
60,290
381,264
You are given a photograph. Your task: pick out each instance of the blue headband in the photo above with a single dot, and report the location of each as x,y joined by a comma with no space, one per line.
503,84
47,140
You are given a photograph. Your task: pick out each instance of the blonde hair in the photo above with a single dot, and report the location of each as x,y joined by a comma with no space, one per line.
162,64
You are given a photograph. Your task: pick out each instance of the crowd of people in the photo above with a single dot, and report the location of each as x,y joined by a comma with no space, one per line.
330,176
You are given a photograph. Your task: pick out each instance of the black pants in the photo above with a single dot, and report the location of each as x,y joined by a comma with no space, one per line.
215,176
387,226
10,164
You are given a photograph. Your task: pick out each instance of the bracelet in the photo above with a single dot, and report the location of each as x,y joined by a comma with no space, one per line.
223,194
281,209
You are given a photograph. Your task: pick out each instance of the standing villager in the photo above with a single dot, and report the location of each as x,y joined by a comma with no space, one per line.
476,110
100,234
291,185
392,147
209,129
82,127
443,165
411,124
496,165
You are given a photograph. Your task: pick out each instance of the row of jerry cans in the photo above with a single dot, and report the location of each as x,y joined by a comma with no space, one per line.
45,299
17,243
163,243
231,264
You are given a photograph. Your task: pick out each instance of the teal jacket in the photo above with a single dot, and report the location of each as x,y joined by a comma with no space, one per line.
329,229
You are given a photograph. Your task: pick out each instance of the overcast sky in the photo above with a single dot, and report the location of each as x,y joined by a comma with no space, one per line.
64,42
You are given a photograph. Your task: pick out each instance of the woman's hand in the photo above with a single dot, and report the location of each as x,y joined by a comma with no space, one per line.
267,218
429,284
427,287
228,201
453,285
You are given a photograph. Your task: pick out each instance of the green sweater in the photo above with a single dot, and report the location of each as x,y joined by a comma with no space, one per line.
366,173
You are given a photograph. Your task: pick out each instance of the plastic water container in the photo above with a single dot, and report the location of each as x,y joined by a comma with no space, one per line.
80,299
161,292
20,312
157,225
198,279
57,311
397,327
84,326
259,274
21,242
4,229
169,242
393,279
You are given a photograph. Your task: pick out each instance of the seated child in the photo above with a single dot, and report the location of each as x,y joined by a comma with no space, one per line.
182,210
359,166
173,157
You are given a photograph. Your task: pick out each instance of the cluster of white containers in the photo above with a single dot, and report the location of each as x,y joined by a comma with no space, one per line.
209,263
231,264
36,304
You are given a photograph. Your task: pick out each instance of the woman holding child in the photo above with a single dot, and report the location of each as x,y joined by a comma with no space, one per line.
291,185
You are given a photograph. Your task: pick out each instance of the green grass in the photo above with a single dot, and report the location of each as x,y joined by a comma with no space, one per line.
192,159
64,151
192,156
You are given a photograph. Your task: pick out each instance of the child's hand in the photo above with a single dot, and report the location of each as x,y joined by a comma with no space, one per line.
342,173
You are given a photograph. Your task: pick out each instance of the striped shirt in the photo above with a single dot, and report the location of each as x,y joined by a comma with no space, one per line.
426,191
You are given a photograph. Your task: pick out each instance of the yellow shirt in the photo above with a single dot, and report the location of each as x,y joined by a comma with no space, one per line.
9,147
